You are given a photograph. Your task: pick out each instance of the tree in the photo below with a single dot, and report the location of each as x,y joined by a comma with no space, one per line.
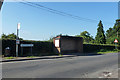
86,37
51,38
113,33
4,36
10,36
100,37
109,33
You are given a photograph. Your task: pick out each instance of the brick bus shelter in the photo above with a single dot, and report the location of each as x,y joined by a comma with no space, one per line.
68,44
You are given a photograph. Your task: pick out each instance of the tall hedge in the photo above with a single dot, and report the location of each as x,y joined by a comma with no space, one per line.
40,47
95,47
46,48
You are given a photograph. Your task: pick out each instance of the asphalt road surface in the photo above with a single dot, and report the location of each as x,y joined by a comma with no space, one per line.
70,67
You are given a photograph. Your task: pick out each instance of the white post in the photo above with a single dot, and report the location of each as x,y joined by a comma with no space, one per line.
17,39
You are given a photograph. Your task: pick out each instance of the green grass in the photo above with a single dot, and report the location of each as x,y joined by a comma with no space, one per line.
107,52
60,55
10,57
104,51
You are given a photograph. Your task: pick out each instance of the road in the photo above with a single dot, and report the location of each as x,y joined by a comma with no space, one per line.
70,67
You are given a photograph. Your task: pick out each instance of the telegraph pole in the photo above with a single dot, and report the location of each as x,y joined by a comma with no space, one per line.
17,39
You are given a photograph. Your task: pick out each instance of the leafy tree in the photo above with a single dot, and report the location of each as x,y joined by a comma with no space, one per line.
86,37
113,33
9,36
109,33
51,39
4,36
100,37
110,36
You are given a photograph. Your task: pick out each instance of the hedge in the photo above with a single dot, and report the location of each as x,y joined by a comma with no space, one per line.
46,48
98,47
40,47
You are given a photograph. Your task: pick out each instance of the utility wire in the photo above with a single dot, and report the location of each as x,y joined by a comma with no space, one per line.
58,12
66,14
50,11
40,8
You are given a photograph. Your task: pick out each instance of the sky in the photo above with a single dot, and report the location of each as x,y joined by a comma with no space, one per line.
66,0
39,24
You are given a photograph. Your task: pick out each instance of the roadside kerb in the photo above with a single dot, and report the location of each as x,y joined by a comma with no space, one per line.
48,57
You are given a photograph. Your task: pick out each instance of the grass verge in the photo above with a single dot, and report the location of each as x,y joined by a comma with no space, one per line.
103,51
60,55
9,57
